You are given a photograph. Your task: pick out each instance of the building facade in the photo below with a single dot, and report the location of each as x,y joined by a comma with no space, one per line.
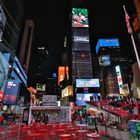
81,54
14,13
26,44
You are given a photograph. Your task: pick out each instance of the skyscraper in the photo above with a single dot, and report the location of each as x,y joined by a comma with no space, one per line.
13,11
26,44
81,55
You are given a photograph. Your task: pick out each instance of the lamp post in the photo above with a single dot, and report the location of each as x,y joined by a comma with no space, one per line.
127,18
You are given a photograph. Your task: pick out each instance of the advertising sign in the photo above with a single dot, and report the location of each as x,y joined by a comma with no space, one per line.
40,87
104,60
62,71
119,78
61,74
4,67
68,91
50,100
79,17
87,83
107,43
1,95
125,90
82,98
11,92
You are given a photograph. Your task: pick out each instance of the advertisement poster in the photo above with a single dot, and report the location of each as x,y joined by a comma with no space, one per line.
79,17
11,92
4,67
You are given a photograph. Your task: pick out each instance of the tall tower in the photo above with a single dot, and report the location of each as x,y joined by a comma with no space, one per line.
26,44
81,55
14,12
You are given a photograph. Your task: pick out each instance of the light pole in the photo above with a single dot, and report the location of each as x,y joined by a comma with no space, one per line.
131,34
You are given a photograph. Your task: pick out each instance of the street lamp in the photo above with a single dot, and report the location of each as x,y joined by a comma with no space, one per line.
127,18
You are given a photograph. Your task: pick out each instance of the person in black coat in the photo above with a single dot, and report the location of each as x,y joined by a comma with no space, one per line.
46,118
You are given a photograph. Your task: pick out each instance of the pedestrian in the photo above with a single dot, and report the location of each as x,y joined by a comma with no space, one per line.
46,117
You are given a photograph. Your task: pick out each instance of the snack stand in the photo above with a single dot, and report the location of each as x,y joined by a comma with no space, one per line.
56,113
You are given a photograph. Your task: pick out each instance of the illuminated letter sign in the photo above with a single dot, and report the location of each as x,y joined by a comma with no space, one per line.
119,78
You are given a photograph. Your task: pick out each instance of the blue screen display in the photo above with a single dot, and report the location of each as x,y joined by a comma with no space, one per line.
11,92
132,127
83,97
87,83
104,60
106,43
4,67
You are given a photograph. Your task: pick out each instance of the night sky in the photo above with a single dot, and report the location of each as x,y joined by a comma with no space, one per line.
106,20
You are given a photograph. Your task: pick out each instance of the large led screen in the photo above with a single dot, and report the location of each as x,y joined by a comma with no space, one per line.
119,78
81,39
104,60
81,83
82,98
40,87
113,42
79,17
4,67
61,74
11,92
68,91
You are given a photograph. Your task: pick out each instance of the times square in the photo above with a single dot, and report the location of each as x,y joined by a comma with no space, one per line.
63,78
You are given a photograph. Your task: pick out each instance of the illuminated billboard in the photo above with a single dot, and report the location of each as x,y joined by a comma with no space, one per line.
68,91
18,72
1,95
4,67
113,42
104,60
40,87
79,17
81,39
81,83
119,78
62,71
82,98
11,92
125,90
61,74
81,55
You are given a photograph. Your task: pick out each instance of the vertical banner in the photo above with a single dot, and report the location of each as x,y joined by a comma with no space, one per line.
119,78
61,74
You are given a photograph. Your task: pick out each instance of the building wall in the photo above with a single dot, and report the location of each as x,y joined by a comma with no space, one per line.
26,44
81,54
14,20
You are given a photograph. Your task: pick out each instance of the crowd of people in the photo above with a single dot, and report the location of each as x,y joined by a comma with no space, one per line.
126,103
40,116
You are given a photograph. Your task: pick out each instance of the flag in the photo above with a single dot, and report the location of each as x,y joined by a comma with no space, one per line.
127,18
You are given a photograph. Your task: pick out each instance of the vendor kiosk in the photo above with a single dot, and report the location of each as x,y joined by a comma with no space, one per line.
56,114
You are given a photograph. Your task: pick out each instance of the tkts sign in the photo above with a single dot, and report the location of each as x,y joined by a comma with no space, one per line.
119,78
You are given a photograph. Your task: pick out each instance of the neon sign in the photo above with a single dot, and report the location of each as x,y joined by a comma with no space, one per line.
119,78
